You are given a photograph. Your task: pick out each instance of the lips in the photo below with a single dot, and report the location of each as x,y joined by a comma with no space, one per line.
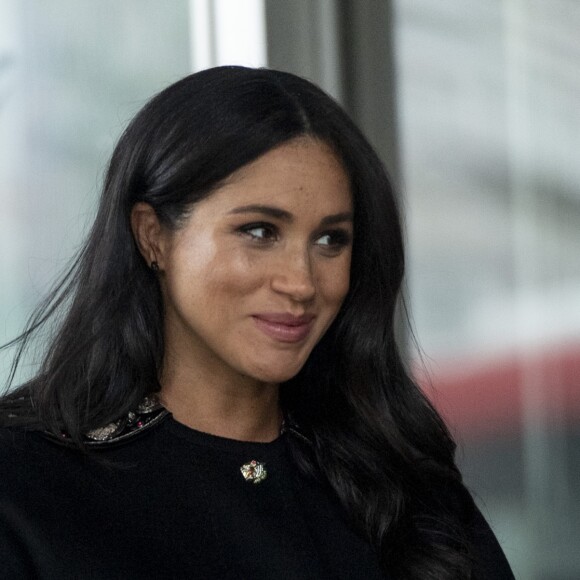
284,327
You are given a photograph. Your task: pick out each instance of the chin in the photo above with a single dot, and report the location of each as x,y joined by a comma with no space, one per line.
277,373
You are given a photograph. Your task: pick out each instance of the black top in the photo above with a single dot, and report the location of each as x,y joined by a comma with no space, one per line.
173,503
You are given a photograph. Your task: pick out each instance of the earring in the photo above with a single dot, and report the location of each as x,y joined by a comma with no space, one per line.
154,266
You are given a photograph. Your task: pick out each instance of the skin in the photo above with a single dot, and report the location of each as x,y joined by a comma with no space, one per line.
229,263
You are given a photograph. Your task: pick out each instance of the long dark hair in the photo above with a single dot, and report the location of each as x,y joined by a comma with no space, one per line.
374,438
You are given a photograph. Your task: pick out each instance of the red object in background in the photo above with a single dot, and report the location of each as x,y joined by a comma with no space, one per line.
486,399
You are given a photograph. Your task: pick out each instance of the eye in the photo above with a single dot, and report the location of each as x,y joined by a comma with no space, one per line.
334,241
260,232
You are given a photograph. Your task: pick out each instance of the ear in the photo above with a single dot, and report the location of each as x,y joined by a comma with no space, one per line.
148,233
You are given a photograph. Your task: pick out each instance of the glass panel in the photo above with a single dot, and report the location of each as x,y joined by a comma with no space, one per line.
490,129
72,72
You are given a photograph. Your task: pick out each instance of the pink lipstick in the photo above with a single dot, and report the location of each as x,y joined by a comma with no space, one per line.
284,327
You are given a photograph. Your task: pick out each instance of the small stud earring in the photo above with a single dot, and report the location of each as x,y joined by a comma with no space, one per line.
154,266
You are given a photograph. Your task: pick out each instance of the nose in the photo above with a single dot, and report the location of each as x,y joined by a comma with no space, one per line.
294,277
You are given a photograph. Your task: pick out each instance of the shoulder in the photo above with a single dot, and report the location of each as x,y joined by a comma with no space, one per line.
31,466
15,441
22,449
488,557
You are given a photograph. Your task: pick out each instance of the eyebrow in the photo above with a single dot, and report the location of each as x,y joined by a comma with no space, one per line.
282,214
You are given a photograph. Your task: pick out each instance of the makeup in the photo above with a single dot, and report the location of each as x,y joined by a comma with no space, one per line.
284,327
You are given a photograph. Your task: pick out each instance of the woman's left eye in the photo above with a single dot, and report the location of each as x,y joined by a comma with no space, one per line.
335,240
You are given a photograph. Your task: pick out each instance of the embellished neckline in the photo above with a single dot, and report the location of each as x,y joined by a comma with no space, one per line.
148,412
151,412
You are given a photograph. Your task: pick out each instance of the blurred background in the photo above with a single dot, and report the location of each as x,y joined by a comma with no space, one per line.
474,106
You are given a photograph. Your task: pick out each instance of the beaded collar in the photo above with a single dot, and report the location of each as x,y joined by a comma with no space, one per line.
148,413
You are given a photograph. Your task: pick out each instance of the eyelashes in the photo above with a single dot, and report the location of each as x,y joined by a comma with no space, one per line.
263,233
337,237
260,232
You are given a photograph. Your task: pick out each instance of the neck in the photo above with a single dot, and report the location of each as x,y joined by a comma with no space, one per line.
233,407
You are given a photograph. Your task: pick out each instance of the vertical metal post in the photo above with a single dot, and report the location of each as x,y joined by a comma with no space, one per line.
304,39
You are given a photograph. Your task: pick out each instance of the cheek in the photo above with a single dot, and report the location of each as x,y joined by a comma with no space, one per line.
335,282
220,279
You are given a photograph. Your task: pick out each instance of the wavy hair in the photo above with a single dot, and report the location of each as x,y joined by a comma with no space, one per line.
373,436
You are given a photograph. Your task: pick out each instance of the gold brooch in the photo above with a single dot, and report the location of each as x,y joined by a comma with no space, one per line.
254,471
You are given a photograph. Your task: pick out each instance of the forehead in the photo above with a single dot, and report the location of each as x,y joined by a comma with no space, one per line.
304,173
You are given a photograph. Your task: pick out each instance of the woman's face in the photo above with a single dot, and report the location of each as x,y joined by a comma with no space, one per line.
261,267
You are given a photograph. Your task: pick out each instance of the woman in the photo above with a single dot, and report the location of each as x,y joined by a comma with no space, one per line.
224,397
